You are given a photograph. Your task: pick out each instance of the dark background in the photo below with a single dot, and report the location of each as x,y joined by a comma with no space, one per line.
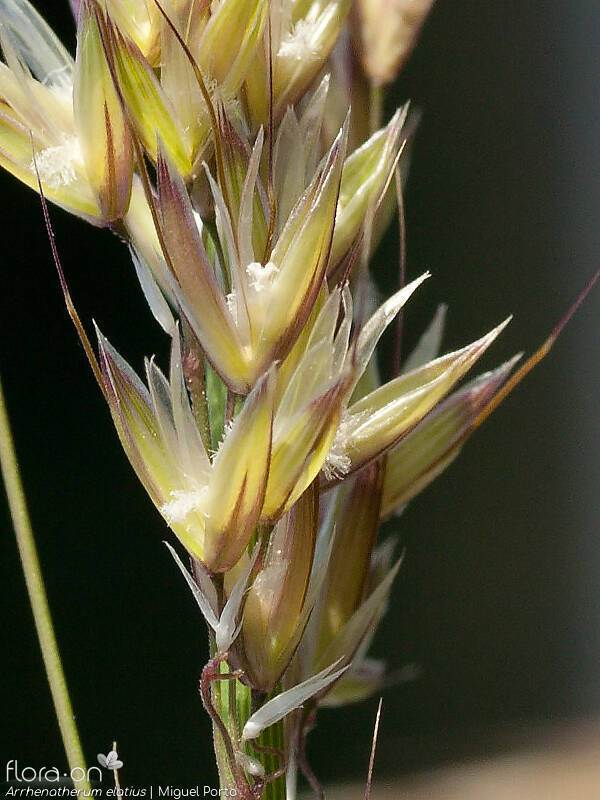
498,597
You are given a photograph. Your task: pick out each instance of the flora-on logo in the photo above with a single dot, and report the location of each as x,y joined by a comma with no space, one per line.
110,761
40,775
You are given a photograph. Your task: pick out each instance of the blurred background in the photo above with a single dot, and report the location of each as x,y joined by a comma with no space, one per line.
498,599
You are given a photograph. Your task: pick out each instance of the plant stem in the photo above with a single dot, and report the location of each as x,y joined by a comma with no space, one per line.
273,739
231,701
212,696
39,601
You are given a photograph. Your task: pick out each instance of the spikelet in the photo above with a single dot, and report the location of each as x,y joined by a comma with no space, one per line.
214,138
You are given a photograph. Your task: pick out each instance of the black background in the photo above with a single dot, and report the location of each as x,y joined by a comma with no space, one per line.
498,597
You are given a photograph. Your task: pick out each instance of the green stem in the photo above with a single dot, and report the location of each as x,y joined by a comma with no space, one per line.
225,696
219,693
39,601
218,689
273,738
269,748
232,702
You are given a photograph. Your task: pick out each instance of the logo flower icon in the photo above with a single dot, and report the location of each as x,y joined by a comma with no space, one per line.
110,761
